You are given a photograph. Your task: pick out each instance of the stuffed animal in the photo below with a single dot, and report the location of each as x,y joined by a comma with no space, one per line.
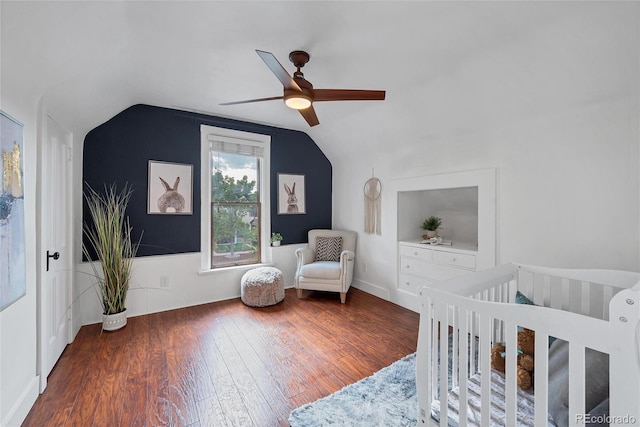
526,351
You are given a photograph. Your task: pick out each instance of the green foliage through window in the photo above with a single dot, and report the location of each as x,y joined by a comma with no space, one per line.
236,210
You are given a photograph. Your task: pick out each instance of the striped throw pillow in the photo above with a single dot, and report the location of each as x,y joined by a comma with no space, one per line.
328,248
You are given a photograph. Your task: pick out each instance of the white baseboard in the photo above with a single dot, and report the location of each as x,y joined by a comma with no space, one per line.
371,288
23,404
405,299
396,296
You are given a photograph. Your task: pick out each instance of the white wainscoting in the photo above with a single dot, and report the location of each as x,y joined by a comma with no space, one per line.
185,286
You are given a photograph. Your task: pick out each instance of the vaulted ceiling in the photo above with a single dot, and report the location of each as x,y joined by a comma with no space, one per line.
447,67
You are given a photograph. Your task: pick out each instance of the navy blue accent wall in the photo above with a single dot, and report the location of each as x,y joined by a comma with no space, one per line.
119,150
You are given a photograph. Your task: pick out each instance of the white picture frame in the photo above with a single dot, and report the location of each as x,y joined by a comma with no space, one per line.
170,188
291,194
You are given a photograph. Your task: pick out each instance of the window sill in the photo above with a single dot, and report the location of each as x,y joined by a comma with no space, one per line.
246,267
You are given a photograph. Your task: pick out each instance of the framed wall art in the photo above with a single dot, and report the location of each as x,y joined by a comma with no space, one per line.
170,188
12,228
291,194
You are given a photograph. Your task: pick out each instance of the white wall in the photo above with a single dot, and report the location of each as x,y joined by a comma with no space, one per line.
567,156
18,339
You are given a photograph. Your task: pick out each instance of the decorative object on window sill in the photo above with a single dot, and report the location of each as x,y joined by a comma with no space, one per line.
165,198
372,206
276,238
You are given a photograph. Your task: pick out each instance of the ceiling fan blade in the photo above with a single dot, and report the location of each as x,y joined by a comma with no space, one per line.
347,95
309,115
252,100
277,69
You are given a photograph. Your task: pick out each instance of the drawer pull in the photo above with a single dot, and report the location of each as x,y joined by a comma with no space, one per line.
408,266
407,283
415,253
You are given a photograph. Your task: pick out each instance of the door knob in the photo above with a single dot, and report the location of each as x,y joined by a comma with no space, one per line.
55,256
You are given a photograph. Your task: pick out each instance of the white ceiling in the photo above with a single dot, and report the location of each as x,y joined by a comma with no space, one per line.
447,67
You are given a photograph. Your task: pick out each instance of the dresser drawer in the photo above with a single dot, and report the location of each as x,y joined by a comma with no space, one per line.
439,272
455,259
412,284
414,266
413,252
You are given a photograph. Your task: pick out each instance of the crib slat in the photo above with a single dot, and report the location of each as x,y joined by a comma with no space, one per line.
576,381
541,383
511,337
546,291
585,298
607,294
556,293
575,296
464,370
540,281
435,374
464,367
454,348
485,369
473,329
566,295
442,311
596,306
525,281
424,367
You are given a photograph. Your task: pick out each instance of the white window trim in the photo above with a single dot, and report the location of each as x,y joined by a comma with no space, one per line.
264,141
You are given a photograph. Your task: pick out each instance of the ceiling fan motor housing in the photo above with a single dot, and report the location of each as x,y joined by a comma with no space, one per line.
299,58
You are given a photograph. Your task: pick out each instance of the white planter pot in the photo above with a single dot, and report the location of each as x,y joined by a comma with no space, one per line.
112,322
277,243
430,233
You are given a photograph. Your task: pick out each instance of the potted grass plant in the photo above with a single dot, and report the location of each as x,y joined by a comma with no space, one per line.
108,238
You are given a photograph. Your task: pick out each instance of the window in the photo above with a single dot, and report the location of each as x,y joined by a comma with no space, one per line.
235,204
236,218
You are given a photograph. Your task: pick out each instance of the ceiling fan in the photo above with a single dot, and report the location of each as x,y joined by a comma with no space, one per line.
299,93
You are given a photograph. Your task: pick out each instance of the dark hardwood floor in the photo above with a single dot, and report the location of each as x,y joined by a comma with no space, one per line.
223,364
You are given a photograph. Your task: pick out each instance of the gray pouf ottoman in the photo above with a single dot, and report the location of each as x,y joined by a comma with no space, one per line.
262,286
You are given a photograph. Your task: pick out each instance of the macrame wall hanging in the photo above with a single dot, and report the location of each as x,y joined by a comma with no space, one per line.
372,206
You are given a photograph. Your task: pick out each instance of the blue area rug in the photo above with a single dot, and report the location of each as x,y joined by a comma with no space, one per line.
386,398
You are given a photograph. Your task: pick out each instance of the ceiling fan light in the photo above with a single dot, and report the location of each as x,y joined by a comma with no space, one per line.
297,102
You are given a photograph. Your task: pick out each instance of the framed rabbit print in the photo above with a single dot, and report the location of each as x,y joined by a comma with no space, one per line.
291,197
170,188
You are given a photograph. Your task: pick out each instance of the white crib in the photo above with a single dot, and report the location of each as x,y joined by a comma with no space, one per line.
589,309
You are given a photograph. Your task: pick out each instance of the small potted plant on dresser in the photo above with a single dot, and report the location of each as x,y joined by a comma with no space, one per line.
276,238
430,226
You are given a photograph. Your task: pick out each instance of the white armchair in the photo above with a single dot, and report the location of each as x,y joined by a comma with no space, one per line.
325,265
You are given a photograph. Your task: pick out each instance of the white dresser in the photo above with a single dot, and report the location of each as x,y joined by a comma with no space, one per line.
423,264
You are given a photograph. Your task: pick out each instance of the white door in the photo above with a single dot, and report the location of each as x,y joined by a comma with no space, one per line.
55,212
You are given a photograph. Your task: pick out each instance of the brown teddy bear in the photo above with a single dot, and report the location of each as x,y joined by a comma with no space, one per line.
526,350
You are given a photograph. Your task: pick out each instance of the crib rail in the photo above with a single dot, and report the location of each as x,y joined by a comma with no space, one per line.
572,305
